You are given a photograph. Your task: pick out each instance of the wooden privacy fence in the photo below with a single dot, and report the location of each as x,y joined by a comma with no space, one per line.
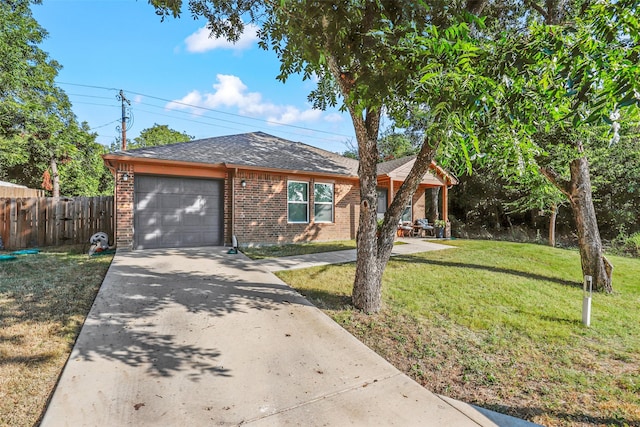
20,192
54,221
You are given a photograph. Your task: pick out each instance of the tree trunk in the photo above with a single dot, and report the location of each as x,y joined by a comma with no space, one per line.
374,250
593,260
578,190
367,285
552,225
55,177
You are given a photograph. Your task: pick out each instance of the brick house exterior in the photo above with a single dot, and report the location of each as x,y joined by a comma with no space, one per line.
257,174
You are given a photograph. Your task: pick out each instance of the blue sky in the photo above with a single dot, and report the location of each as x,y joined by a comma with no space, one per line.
108,45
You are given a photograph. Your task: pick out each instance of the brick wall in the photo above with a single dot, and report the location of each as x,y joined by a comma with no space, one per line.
260,215
261,210
124,208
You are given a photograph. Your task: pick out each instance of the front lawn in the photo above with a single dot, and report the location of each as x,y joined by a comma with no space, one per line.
498,324
276,251
44,300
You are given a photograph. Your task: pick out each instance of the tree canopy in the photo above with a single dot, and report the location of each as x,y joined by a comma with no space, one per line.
455,71
158,135
40,138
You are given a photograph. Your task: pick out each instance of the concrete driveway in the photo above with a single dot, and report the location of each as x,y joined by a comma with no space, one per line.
196,337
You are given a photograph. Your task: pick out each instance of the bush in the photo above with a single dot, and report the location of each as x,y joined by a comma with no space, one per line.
627,245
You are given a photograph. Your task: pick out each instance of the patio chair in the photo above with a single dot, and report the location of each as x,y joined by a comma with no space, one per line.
422,226
405,229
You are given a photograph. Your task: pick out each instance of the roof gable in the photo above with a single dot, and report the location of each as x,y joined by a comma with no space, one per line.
399,169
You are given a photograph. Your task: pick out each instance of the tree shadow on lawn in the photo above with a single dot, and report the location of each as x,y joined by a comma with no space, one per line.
415,259
27,360
578,418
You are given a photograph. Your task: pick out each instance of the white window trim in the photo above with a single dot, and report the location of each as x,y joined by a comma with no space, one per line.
297,203
333,198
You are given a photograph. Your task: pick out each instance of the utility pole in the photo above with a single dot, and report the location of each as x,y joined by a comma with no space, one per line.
123,99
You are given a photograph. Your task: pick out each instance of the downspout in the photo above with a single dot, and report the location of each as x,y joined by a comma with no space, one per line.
234,172
114,171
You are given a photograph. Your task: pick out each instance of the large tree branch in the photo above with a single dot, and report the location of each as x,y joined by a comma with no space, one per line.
557,180
476,6
535,6
409,186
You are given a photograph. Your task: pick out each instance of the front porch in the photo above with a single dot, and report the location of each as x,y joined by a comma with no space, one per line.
416,220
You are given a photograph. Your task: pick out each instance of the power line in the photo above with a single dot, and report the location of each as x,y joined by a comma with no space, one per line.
106,124
88,96
99,105
238,115
268,122
214,119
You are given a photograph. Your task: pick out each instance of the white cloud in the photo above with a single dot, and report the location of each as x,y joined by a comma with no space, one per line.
231,92
190,100
138,99
333,118
200,41
291,115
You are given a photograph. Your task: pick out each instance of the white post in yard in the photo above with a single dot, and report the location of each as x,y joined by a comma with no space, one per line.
587,291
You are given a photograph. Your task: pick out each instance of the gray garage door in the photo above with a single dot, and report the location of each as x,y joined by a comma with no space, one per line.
175,212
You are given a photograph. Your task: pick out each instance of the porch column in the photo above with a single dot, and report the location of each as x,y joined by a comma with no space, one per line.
445,211
445,203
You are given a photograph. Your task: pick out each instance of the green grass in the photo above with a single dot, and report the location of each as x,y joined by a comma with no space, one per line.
498,324
275,251
291,249
44,300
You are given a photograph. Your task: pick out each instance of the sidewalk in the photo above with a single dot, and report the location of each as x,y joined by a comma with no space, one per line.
410,246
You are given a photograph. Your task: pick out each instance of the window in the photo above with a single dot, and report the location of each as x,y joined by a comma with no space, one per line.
298,201
323,202
382,202
407,213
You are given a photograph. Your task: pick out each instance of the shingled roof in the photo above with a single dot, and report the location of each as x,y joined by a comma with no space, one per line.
256,149
391,165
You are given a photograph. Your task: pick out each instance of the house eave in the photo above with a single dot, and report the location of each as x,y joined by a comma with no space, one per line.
289,171
145,160
112,159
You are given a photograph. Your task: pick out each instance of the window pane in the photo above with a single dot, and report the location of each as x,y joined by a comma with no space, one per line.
297,212
323,193
323,213
297,191
382,202
406,215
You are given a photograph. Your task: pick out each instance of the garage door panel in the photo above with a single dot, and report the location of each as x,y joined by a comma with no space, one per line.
146,200
148,219
177,212
194,220
165,186
210,220
190,203
202,187
145,186
182,239
170,220
168,201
